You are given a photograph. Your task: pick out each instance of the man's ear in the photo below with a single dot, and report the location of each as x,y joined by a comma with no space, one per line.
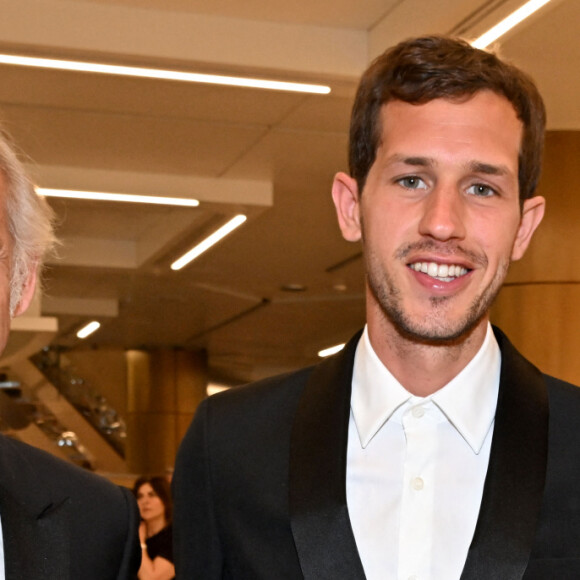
346,201
532,214
27,291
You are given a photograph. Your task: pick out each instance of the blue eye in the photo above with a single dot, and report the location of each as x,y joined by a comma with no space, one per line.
412,182
480,190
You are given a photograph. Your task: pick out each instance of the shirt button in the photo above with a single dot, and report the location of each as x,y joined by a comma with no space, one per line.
417,484
417,412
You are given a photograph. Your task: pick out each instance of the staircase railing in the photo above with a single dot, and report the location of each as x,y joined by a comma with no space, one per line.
18,411
84,397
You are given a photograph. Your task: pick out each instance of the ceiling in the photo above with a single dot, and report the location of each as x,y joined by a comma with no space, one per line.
285,284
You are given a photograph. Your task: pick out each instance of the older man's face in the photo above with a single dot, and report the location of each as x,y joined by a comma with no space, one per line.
6,253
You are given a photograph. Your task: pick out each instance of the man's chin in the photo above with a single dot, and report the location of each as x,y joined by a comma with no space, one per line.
437,334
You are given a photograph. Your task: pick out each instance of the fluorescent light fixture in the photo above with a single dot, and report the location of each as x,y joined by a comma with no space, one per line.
88,329
330,350
214,388
154,73
100,196
209,242
508,23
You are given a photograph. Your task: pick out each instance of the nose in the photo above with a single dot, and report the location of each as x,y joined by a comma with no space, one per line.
443,214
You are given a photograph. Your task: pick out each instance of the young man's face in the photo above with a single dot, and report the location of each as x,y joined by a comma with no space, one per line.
439,216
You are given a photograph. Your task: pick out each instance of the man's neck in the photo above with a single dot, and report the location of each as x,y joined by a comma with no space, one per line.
423,368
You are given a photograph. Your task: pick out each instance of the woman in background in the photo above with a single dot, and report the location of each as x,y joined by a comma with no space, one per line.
155,533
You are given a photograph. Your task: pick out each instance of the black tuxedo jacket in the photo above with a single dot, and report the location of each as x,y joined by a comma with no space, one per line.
260,489
60,522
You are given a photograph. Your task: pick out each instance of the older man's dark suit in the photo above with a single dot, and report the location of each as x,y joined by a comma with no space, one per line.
260,480
60,522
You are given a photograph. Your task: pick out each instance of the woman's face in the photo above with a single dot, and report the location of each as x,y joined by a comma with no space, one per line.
150,504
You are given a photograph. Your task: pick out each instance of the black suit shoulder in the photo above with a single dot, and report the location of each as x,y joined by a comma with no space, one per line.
27,470
98,519
558,533
564,432
231,469
562,390
564,406
270,391
249,427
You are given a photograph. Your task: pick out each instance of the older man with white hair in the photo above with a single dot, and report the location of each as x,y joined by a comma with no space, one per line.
57,520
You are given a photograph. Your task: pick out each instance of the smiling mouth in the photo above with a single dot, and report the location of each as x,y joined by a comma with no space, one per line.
441,272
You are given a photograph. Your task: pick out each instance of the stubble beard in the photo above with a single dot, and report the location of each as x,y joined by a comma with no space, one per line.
435,328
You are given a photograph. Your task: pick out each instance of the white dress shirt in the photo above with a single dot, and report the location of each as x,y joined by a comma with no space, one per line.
417,465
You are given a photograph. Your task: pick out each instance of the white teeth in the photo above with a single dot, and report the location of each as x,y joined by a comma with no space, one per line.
443,272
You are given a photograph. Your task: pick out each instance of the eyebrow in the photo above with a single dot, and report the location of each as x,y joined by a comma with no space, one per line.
487,169
417,161
473,166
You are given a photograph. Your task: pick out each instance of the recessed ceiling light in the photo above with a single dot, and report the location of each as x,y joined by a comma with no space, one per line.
125,197
293,287
161,74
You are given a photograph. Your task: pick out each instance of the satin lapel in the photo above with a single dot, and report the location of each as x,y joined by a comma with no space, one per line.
33,517
319,516
514,485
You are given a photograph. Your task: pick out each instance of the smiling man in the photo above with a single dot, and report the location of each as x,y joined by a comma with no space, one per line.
429,448
440,220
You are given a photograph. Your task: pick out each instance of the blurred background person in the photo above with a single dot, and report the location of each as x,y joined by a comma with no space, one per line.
155,532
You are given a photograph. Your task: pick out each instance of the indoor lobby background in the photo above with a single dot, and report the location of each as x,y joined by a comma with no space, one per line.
283,285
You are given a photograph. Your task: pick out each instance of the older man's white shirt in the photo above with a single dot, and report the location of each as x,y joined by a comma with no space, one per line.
416,466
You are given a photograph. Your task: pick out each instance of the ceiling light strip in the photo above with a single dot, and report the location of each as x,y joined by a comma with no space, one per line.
124,197
508,23
209,242
88,329
153,73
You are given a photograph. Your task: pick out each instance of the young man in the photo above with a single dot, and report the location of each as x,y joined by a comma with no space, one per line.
428,448
56,520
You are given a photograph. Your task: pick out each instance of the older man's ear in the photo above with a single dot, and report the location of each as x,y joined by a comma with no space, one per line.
27,291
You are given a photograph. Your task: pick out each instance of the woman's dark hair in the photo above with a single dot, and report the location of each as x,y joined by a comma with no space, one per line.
419,70
161,487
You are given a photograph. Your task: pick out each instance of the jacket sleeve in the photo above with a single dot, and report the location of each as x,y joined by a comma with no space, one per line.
197,547
132,553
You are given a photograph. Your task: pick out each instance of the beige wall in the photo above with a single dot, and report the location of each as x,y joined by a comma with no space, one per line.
104,368
164,388
156,392
539,306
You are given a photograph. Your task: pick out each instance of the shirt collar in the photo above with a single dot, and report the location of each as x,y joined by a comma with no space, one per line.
468,401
